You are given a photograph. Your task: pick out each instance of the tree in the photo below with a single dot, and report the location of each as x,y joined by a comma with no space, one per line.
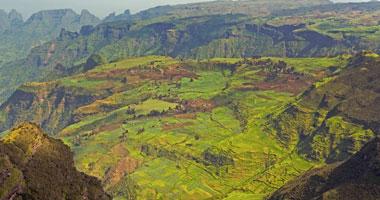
124,80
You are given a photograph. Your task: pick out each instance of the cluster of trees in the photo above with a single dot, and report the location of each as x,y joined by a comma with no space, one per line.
275,69
157,113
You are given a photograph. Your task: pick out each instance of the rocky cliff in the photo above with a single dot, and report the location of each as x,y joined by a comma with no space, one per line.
35,166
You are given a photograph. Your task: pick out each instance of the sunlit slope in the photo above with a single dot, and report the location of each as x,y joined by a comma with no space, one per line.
154,126
356,178
333,119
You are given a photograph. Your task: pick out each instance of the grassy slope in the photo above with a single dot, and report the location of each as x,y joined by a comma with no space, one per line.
320,122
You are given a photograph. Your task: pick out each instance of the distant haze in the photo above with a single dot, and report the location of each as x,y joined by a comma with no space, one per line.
101,8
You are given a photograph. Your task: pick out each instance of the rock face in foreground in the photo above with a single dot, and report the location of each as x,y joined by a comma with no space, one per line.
356,178
35,166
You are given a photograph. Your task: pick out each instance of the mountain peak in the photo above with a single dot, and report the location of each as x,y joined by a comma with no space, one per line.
87,18
14,15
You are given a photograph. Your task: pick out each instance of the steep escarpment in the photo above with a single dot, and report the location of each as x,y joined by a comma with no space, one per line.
49,23
335,118
35,166
254,8
356,178
196,37
40,28
9,20
49,104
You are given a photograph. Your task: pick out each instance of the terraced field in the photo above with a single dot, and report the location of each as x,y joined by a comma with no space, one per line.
157,128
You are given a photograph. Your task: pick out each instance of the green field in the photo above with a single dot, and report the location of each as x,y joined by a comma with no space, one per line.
209,137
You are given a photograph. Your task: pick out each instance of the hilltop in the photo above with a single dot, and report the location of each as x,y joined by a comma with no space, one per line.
254,8
35,166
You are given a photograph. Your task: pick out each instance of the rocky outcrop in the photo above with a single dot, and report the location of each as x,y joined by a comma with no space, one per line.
52,21
113,17
10,20
35,166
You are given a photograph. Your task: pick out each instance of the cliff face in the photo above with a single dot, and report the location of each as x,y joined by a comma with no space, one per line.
356,178
334,119
255,8
49,23
35,166
195,38
10,20
51,107
52,104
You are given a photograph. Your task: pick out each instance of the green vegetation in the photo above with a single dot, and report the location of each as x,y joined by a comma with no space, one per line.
355,178
335,118
194,106
147,126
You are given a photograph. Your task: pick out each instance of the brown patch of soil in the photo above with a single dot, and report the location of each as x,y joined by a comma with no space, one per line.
291,83
121,169
186,116
168,127
120,151
177,75
107,127
263,97
198,105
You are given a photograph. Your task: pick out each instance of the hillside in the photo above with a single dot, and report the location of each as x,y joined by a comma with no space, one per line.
357,178
35,166
146,126
333,119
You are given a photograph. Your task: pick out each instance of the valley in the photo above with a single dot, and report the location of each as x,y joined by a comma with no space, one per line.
215,100
142,124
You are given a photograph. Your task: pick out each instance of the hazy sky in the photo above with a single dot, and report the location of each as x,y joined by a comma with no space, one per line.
101,8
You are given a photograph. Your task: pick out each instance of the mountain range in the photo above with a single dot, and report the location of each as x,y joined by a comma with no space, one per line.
206,37
17,37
